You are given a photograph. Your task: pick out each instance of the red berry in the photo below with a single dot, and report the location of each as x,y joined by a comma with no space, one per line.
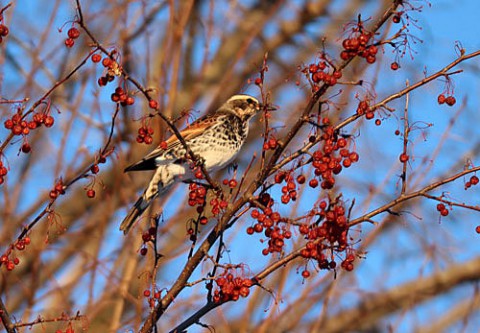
403,158
301,179
396,18
477,229
394,66
354,157
371,59
441,99
3,30
106,62
143,251
474,180
8,124
69,42
73,33
305,274
146,293
450,100
444,212
53,194
94,168
440,207
130,100
96,57
48,121
313,183
258,81
232,183
153,104
91,193
26,148
148,140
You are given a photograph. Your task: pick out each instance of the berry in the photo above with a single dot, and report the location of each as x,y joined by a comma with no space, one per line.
26,148
3,30
403,158
91,193
96,58
153,104
474,180
94,169
301,179
48,121
394,66
440,207
69,42
441,99
73,33
305,274
450,100
106,62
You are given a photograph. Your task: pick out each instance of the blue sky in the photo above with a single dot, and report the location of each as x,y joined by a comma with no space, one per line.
442,25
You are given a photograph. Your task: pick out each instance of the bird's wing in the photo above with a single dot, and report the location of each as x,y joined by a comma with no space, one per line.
195,129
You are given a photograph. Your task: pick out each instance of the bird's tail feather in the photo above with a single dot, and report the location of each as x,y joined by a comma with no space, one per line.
137,210
161,182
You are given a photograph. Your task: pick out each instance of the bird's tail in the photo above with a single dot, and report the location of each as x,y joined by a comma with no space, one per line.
161,182
135,212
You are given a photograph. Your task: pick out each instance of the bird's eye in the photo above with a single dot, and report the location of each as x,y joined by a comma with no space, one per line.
250,101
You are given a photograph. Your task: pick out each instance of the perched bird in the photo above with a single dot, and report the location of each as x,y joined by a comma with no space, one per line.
216,138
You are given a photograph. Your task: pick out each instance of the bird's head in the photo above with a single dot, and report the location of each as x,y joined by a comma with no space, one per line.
243,106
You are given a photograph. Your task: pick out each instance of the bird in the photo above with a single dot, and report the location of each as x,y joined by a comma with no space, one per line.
215,138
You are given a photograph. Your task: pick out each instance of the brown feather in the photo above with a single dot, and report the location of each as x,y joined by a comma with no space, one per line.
190,132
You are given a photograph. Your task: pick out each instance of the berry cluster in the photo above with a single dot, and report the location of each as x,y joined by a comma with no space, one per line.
218,205
268,222
357,44
10,263
145,134
197,196
152,298
363,108
270,144
473,181
59,189
230,288
3,172
20,126
320,72
3,31
113,69
442,209
148,236
331,234
289,191
331,158
73,33
449,100
121,96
